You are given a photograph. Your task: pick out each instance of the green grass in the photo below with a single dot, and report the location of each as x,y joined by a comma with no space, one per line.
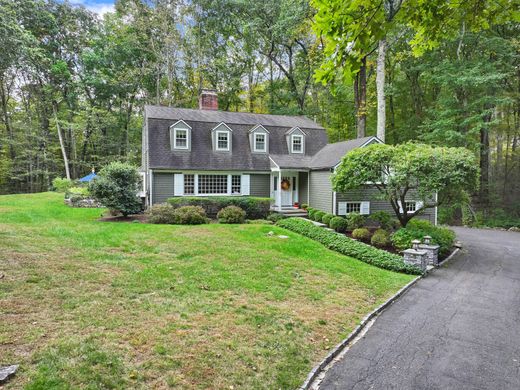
97,305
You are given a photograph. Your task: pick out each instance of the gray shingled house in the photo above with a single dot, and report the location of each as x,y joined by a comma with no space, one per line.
206,152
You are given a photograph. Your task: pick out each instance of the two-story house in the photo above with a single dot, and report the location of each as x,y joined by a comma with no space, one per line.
206,152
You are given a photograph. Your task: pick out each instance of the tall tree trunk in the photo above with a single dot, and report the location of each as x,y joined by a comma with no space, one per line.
7,119
380,85
484,163
360,94
60,136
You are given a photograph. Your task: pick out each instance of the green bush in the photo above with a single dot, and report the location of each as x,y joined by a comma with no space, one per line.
275,217
161,213
259,222
304,206
380,238
362,234
339,224
346,246
311,212
416,229
83,191
384,219
255,208
318,215
61,184
116,187
326,219
190,215
355,221
231,214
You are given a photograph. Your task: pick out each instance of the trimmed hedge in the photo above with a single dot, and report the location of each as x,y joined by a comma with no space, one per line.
339,224
326,218
318,215
349,247
416,229
362,234
255,208
231,214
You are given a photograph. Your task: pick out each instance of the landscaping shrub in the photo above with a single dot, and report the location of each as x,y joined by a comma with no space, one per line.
116,187
259,222
384,219
349,247
61,184
362,234
311,212
339,224
355,220
416,229
318,215
380,238
326,219
255,208
190,215
304,206
275,217
161,213
231,214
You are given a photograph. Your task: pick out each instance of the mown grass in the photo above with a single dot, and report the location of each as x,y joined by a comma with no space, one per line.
97,305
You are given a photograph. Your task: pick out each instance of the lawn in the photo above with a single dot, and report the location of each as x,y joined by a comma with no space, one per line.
96,305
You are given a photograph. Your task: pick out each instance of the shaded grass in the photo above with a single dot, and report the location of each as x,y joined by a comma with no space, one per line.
88,304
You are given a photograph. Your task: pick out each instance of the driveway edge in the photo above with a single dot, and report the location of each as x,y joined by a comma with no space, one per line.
316,371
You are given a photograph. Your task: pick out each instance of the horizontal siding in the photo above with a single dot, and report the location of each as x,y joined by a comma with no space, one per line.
162,187
320,190
372,194
303,188
259,185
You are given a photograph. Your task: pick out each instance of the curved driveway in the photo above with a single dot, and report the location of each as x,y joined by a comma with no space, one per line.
458,328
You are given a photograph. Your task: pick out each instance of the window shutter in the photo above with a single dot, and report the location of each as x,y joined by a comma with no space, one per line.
419,205
342,208
365,208
178,184
400,206
244,185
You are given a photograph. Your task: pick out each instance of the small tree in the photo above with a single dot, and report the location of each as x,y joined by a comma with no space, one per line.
116,187
436,174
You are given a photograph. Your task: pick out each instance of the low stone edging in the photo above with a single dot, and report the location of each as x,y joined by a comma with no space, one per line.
338,349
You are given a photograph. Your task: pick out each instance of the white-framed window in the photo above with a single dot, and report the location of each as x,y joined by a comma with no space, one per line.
353,207
296,143
180,138
236,184
212,184
345,208
260,142
222,140
189,184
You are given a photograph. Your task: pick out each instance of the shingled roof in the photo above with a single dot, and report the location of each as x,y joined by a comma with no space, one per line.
331,154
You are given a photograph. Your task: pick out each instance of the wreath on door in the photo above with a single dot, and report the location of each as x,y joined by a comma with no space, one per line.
286,184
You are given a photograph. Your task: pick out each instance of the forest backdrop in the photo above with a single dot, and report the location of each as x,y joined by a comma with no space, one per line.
73,84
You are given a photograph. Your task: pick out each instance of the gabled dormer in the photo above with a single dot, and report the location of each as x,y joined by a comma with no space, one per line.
221,138
180,136
259,139
295,140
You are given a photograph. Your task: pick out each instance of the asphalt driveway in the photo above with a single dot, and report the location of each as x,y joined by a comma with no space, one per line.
459,328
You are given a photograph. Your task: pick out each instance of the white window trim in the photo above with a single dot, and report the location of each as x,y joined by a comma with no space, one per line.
358,202
293,136
418,205
244,189
175,130
228,133
265,142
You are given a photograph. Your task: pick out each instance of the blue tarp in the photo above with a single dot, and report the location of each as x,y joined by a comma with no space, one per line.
89,177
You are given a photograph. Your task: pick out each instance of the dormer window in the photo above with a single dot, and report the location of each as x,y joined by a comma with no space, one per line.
259,139
223,140
180,136
221,136
296,143
259,142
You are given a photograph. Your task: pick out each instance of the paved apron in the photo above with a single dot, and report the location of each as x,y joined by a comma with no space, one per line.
459,328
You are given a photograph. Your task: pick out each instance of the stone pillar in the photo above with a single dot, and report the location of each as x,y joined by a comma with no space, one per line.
432,251
416,256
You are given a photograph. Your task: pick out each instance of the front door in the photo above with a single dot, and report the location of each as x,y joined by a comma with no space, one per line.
287,190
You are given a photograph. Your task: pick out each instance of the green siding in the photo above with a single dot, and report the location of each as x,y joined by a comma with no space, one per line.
372,194
320,190
303,190
259,185
162,187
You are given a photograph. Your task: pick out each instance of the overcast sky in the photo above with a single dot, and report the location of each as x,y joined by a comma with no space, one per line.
98,6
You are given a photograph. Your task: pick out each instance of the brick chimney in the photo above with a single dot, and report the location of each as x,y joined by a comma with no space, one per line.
208,100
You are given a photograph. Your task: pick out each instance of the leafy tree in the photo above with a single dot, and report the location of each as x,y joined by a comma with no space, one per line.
435,174
116,187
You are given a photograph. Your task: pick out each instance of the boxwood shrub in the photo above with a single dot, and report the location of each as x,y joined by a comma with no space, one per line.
255,208
318,215
326,218
346,246
416,229
231,214
311,212
362,234
339,224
